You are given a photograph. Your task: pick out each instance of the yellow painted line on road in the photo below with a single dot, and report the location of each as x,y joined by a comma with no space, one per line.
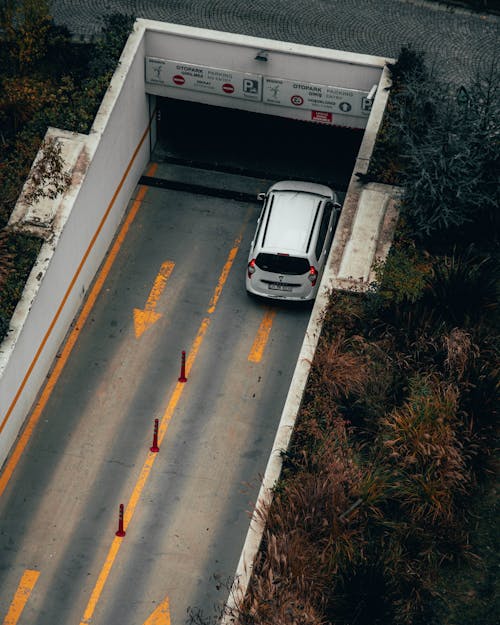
26,585
224,274
75,332
161,616
262,336
162,430
145,318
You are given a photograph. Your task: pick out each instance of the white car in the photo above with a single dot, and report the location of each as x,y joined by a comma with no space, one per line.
294,233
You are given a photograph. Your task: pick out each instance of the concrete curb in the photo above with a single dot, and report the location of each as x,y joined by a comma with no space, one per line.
190,187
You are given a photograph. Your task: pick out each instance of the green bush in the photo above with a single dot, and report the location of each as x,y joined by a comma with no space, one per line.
22,250
401,277
441,145
451,162
462,288
387,160
114,34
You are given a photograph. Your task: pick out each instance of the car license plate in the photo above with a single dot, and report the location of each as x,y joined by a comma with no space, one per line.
279,287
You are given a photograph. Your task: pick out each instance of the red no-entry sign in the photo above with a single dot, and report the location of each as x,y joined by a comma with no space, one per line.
227,87
178,79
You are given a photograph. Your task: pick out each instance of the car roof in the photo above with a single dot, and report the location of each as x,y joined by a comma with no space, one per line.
291,220
306,187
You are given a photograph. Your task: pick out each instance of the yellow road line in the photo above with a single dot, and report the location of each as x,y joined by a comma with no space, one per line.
68,346
26,585
162,430
262,336
224,274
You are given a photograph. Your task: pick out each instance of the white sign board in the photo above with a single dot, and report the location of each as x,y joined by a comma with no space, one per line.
315,97
213,80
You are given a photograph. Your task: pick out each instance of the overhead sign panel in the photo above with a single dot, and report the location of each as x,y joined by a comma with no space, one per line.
315,97
324,101
213,80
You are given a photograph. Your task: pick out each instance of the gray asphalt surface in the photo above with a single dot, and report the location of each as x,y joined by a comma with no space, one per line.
60,511
457,42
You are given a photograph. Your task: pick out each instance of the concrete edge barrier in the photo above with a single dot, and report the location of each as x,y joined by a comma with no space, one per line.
295,394
190,187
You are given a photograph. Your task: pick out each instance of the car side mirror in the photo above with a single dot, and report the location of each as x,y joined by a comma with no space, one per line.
333,205
261,197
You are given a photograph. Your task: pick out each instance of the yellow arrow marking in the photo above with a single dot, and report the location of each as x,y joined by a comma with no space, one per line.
145,318
260,342
28,581
161,616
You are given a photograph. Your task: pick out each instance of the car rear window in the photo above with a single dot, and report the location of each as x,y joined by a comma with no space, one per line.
288,265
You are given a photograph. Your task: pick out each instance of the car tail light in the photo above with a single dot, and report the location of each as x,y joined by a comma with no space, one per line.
313,275
251,267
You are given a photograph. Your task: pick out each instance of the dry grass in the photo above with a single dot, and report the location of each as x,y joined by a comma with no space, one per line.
341,368
428,459
460,352
314,533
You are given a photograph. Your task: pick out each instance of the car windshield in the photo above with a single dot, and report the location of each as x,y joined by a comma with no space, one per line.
288,265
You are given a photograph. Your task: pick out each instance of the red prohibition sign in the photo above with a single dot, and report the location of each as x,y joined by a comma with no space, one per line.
297,100
227,87
178,79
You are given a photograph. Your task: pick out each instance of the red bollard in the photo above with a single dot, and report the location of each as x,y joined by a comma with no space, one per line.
121,531
182,377
155,447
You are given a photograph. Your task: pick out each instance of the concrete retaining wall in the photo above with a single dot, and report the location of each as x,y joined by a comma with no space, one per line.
106,166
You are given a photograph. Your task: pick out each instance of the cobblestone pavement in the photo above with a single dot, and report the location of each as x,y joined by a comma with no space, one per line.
456,42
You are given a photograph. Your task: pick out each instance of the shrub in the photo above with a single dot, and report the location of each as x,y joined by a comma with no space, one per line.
450,160
340,368
313,534
441,145
387,160
20,252
462,288
115,31
401,277
428,459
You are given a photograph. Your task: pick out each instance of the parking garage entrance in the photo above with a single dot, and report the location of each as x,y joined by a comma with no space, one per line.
257,107
253,144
